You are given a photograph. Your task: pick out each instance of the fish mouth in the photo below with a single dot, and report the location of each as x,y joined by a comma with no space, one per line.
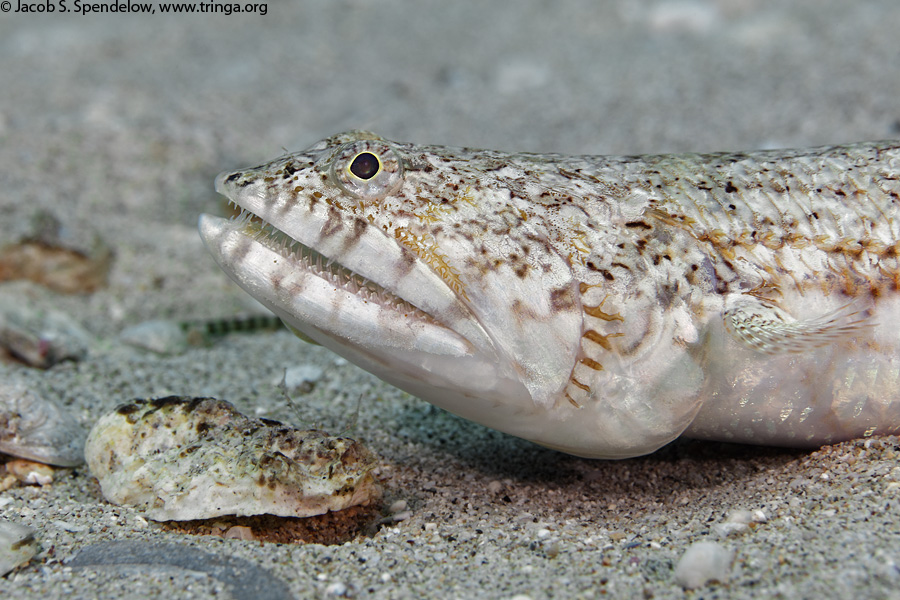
307,259
341,281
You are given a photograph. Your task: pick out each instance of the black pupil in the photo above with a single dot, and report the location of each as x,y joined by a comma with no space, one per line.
364,166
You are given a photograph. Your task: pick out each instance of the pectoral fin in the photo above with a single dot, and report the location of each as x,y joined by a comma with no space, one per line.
766,328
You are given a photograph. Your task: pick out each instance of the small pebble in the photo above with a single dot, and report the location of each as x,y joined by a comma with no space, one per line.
724,530
160,336
701,563
525,517
398,511
336,589
239,532
70,527
302,378
552,550
737,521
30,472
745,517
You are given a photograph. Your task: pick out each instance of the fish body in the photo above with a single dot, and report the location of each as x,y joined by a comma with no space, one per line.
598,305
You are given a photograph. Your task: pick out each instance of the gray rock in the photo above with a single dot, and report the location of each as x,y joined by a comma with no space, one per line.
245,580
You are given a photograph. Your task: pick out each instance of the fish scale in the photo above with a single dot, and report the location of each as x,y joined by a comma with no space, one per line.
598,305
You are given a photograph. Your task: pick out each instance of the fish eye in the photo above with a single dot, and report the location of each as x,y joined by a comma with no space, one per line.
367,169
365,166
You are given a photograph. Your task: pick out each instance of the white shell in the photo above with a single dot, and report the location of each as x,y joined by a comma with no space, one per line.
37,429
198,458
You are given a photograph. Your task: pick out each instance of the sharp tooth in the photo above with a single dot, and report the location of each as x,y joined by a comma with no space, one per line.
265,233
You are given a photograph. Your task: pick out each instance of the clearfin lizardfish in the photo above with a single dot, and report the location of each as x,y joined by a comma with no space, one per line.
598,305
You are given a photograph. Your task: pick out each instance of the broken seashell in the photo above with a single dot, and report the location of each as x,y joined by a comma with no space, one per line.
30,472
17,545
55,257
199,458
37,429
39,337
7,482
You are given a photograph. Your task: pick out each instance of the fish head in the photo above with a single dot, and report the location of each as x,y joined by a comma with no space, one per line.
415,263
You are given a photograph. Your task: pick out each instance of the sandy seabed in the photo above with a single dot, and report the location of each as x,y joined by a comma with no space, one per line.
116,125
